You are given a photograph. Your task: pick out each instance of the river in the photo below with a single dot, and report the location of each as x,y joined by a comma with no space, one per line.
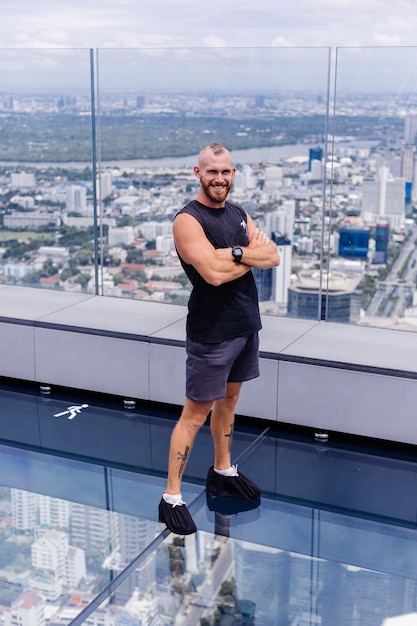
240,157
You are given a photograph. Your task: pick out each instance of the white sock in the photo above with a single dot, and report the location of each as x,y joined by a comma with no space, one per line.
231,471
172,499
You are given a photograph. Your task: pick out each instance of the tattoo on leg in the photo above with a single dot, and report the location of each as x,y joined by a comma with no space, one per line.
184,458
230,435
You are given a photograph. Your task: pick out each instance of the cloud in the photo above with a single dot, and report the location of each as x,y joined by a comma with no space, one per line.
180,23
385,39
281,42
135,40
44,39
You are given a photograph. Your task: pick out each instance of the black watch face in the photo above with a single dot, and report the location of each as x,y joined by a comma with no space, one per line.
237,253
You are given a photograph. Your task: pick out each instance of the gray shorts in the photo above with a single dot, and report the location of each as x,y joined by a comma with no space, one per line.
210,366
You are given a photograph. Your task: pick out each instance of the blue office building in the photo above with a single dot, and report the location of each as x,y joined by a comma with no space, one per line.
263,280
381,243
315,154
354,243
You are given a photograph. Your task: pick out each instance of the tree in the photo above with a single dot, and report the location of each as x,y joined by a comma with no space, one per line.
8,553
83,280
48,269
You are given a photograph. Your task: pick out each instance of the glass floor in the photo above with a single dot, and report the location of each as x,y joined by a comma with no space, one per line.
333,541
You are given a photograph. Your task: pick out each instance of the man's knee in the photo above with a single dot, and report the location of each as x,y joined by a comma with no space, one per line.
229,401
194,414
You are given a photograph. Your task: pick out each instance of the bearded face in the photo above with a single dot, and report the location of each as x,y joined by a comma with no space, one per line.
214,189
216,173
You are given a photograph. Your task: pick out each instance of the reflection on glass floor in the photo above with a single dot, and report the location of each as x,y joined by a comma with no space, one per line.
333,541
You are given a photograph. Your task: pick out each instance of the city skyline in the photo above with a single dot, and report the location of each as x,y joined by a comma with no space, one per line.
222,69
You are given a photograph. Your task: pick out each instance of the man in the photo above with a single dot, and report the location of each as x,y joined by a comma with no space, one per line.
218,244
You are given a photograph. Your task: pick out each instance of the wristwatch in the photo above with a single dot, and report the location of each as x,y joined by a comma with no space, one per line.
237,254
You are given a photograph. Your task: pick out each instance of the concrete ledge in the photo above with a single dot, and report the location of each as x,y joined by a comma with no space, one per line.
348,379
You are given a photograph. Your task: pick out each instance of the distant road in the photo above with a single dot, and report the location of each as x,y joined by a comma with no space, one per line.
391,287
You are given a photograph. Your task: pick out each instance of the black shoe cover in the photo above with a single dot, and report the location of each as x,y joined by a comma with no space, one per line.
176,518
231,486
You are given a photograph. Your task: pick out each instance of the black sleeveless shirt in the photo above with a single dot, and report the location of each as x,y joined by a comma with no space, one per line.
231,310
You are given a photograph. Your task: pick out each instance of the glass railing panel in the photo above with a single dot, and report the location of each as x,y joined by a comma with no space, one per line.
372,188
158,108
46,189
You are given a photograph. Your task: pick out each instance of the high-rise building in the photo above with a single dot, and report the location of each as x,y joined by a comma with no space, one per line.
60,562
54,512
164,243
370,192
48,552
76,198
381,243
25,180
151,230
121,235
273,177
384,198
362,596
337,292
410,129
24,510
244,180
260,101
282,275
92,527
282,220
407,163
314,154
395,203
317,170
408,166
135,535
249,181
265,564
395,165
264,283
104,185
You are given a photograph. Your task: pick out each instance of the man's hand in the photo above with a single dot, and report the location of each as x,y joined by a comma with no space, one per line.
261,252
258,239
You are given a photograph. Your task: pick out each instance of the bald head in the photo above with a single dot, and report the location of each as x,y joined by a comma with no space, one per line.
214,149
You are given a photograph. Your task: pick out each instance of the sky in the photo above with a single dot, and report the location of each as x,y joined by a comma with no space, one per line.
256,44
216,23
